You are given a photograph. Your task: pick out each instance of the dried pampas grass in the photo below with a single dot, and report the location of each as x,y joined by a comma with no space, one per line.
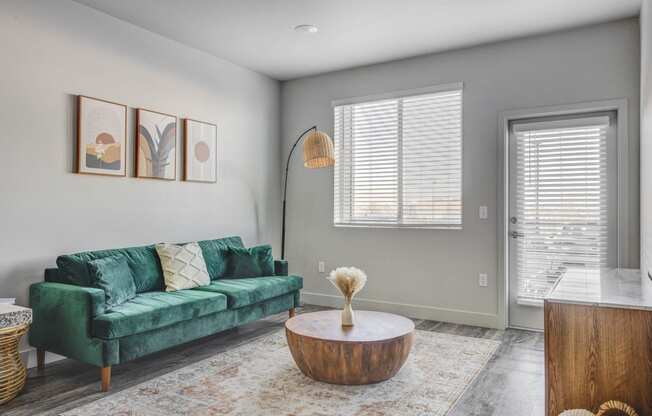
349,280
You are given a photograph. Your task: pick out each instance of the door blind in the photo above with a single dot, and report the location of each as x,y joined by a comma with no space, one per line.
561,200
398,161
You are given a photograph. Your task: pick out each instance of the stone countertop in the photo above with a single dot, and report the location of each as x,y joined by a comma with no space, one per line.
12,315
614,288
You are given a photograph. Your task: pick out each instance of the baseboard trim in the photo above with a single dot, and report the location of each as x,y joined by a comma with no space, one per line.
28,356
456,316
524,328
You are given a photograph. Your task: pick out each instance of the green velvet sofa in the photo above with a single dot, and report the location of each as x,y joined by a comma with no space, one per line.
72,319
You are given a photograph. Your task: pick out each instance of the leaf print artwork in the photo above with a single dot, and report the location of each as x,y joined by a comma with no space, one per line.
157,141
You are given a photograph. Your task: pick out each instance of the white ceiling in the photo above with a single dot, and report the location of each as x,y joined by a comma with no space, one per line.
258,34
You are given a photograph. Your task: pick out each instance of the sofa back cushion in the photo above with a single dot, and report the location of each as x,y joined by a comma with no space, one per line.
113,275
143,262
216,254
250,262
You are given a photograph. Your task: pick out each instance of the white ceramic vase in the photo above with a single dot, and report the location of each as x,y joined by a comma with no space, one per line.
347,313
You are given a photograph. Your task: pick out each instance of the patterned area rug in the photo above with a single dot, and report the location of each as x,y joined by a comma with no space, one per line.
260,378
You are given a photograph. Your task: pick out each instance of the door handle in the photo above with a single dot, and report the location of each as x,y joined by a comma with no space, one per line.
516,234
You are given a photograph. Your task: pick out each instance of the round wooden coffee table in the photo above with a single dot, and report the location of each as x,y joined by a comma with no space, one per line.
373,350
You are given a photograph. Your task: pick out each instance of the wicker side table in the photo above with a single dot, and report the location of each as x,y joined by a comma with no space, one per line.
14,323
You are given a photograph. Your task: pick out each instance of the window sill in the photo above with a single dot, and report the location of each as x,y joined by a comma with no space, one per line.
396,226
536,303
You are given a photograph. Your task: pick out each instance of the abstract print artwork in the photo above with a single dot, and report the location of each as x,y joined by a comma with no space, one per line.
101,137
156,145
200,151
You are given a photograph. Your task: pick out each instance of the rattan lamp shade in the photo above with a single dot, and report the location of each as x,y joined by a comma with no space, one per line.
318,151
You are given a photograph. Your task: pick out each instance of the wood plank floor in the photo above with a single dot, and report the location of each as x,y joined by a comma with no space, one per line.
511,384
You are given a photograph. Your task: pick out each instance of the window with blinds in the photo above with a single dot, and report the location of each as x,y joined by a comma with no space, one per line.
561,200
398,161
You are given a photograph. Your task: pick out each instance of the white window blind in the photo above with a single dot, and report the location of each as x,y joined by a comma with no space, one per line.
561,200
398,161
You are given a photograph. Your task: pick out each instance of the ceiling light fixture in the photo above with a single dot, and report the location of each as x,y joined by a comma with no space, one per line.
306,28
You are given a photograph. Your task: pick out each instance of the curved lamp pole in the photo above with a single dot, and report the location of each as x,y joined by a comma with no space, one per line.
317,153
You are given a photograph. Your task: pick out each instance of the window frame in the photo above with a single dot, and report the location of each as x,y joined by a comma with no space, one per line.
454,86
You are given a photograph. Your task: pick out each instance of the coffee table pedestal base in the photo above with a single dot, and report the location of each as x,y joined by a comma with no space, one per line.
337,361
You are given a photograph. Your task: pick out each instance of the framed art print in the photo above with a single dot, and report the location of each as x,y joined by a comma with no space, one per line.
101,137
156,145
200,151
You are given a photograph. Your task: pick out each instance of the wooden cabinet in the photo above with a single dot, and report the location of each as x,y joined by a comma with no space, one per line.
597,353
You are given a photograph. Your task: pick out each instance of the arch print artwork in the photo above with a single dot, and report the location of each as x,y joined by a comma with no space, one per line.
200,151
101,137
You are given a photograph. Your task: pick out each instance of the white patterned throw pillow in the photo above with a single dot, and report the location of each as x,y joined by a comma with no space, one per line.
183,266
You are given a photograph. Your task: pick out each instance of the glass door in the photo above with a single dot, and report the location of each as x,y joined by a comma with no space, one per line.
562,206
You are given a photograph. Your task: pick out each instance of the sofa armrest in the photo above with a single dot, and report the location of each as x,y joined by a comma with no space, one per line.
281,267
88,301
62,316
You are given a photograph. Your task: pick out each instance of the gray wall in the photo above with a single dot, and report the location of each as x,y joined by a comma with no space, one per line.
52,50
434,273
646,140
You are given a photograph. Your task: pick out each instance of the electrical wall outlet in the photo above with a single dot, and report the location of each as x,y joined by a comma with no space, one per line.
483,212
482,279
321,266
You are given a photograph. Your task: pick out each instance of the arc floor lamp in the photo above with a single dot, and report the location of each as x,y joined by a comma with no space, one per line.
317,153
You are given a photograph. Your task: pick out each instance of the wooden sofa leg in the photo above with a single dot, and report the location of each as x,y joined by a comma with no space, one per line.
40,359
106,379
292,312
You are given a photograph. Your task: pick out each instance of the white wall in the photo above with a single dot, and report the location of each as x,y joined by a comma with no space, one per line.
433,273
646,140
52,50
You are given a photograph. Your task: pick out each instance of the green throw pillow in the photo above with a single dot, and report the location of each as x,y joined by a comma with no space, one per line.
216,254
113,275
250,262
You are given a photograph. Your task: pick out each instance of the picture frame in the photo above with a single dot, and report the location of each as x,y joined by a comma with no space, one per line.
101,137
200,151
156,145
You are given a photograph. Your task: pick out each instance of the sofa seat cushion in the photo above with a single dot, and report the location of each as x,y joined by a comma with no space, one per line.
247,291
153,310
